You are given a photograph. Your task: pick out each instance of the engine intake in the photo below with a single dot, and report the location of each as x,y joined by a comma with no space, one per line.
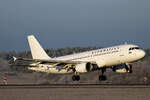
84,67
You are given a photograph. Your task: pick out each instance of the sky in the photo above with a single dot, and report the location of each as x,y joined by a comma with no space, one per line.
69,23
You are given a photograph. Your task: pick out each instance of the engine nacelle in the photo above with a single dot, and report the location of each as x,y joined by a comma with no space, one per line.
123,70
84,67
120,68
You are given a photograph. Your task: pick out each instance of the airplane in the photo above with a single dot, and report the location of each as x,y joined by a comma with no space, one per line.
118,58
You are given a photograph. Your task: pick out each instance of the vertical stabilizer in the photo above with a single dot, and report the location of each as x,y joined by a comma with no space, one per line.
36,50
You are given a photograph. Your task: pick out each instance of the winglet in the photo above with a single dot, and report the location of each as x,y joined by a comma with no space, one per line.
14,58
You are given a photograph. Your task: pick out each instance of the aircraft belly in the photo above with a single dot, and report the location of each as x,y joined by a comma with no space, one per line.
53,70
61,71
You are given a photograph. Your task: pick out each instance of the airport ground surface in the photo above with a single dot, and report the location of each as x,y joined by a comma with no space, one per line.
75,92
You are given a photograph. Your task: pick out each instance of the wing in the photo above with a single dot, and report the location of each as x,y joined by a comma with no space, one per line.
54,63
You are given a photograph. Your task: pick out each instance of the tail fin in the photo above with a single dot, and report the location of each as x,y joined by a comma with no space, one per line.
36,50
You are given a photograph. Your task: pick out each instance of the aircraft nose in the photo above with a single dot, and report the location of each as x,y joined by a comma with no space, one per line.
143,53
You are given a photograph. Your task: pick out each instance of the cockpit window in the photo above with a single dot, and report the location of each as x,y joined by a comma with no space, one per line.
137,48
134,48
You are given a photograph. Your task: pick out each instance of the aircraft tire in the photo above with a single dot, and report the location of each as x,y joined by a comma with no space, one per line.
75,77
102,78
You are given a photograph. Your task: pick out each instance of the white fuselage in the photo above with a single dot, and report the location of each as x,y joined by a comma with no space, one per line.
110,56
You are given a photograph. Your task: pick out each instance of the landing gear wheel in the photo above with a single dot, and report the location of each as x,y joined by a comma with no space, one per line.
102,78
75,77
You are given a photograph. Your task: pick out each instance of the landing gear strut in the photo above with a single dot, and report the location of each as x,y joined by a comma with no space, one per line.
102,77
75,77
130,68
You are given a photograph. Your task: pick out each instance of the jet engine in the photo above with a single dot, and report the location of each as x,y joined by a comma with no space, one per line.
84,67
121,68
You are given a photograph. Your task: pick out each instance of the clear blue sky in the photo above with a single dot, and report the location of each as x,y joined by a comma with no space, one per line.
62,23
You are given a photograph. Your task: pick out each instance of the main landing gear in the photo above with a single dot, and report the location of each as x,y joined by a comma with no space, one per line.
75,77
102,77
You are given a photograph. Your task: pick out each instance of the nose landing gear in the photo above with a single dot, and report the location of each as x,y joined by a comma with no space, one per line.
130,68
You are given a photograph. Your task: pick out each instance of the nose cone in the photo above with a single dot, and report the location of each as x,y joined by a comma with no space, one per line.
142,53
